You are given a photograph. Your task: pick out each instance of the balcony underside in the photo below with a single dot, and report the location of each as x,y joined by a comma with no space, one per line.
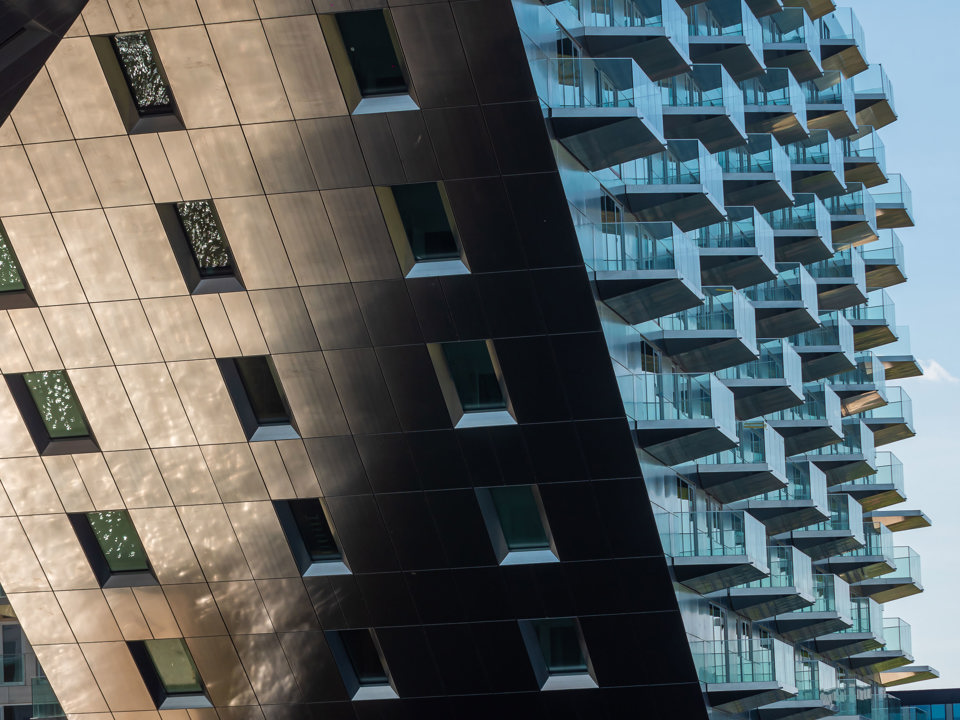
855,568
781,516
824,361
884,275
908,674
838,645
650,47
781,121
798,626
874,110
796,58
815,8
820,544
704,350
888,430
869,334
761,8
893,216
754,398
677,441
899,367
731,51
864,170
760,603
855,399
839,293
851,230
898,520
739,267
873,497
713,126
644,295
802,436
884,590
688,206
831,117
844,56
875,661
762,190
603,137
797,710
802,246
784,318
741,697
706,574
841,469
732,482
817,178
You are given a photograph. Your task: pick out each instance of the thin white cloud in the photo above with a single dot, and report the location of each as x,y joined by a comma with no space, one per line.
935,372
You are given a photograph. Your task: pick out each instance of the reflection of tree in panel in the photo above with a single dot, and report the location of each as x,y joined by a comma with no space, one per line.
57,403
9,272
118,540
142,73
202,230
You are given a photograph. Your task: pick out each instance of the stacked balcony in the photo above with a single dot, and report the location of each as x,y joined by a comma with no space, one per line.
817,164
818,687
902,581
853,217
884,261
862,388
744,674
841,532
831,612
872,560
874,98
841,280
774,103
898,360
728,33
893,421
787,304
826,350
842,43
765,7
789,586
704,103
791,41
802,233
831,105
851,458
814,423
864,635
801,503
814,8
757,174
897,650
738,251
900,519
894,202
874,321
865,157
770,383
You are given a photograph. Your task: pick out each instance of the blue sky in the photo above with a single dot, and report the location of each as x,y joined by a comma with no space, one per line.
914,42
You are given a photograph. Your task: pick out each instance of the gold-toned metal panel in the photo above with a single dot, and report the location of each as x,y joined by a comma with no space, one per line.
38,115
71,677
167,546
25,575
244,322
110,414
226,162
308,238
289,606
62,176
117,675
156,168
128,15
157,612
280,158
138,478
313,399
115,172
19,190
361,232
76,336
267,668
171,13
284,8
186,476
195,610
43,258
68,484
157,405
221,671
8,133
273,470
127,333
177,327
214,542
95,255
262,539
98,18
28,486
146,251
126,611
216,325
42,618
98,481
221,11
241,607
59,552
89,615
13,358
15,441
207,402
36,339
186,168
299,468
284,320
235,472
83,90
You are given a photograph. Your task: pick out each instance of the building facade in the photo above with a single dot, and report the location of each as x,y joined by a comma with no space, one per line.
455,358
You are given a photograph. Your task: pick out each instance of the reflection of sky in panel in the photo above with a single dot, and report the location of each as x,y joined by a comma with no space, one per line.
910,40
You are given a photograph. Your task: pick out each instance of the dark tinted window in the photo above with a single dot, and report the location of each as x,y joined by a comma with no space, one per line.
262,390
560,645
142,73
10,277
175,667
118,540
57,403
364,657
314,530
473,374
425,222
372,53
205,237
519,516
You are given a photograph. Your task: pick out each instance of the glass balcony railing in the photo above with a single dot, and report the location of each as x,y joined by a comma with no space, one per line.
712,533
879,306
777,88
634,14
874,81
867,617
889,472
897,636
705,86
857,200
793,283
677,396
819,403
831,89
761,154
737,20
807,213
857,440
792,26
638,247
684,162
816,680
834,330
777,360
866,145
45,703
788,568
907,561
747,660
847,264
878,542
899,406
831,594
869,371
845,515
894,192
743,228
888,250
723,308
901,346
821,148
805,481
842,24
759,445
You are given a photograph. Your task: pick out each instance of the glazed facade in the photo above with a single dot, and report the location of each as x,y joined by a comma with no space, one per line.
465,358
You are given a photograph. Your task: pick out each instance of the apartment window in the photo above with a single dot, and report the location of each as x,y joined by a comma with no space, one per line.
311,538
472,383
517,524
170,674
52,413
558,653
368,61
131,65
200,246
113,548
420,222
14,292
360,660
12,638
258,398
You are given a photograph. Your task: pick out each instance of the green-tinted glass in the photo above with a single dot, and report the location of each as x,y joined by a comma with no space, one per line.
10,278
57,402
174,665
209,247
519,517
560,644
142,73
425,222
472,370
118,540
371,53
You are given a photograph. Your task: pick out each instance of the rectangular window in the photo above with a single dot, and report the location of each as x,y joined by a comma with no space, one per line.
558,652
471,383
516,522
361,664
140,88
14,292
200,246
113,548
310,537
52,413
258,398
170,674
12,655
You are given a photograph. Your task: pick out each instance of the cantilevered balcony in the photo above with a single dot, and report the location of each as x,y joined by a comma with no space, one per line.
813,424
898,359
875,558
862,388
642,269
704,103
874,94
843,531
791,41
786,305
842,43
853,217
909,674
802,233
604,111
714,549
756,465
884,261
817,164
897,650
727,32
841,280
738,251
902,582
899,520
893,421
774,103
788,587
815,8
831,612
801,503
865,157
866,633
742,675
651,32
853,457
830,104
768,384
757,174
683,184
720,333
827,350
817,683
894,202
679,417
881,489
765,7
874,321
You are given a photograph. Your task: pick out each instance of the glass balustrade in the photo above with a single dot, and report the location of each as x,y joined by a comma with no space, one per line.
899,406
677,396
637,247
793,283
743,228
745,661
842,24
777,88
834,330
788,568
759,445
894,192
901,346
712,533
807,213
846,264
857,200
874,81
805,481
820,403
867,617
878,542
831,595
684,162
832,90
736,20
777,360
845,515
821,149
879,306
907,562
702,87
45,703
857,440
723,308
633,14
897,636
866,144
792,26
761,154
889,472
869,371
887,250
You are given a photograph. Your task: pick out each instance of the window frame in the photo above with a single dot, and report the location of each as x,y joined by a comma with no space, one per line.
134,122
106,577
252,428
301,553
348,673
556,681
30,413
162,699
501,547
474,418
197,283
